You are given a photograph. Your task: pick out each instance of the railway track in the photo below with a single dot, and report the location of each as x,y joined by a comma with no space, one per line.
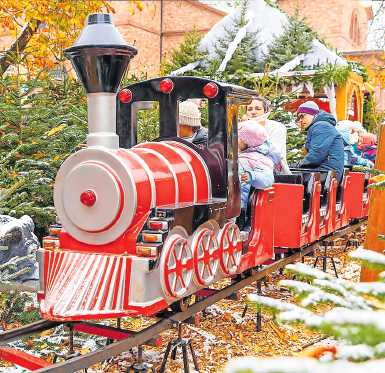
125,339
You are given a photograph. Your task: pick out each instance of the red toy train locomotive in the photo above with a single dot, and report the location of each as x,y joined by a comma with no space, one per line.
147,225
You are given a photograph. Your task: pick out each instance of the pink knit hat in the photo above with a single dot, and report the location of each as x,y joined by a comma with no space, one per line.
252,133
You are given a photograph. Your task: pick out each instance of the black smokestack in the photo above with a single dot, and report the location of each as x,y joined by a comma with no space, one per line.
100,55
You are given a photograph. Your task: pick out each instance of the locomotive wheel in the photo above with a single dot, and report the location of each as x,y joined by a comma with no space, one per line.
206,256
230,248
177,267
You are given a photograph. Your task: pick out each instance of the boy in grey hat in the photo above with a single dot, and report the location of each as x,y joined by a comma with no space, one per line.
190,127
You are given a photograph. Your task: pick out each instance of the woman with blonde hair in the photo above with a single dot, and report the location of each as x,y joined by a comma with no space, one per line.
259,111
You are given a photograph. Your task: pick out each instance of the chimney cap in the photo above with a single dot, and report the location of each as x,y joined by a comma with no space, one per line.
97,18
100,31
100,55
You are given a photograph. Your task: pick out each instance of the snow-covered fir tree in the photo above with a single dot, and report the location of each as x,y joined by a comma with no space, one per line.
245,58
295,40
187,52
355,317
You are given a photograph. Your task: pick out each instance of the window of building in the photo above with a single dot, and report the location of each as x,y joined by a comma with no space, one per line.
354,31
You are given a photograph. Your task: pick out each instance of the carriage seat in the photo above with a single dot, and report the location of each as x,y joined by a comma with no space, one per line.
326,178
288,179
340,189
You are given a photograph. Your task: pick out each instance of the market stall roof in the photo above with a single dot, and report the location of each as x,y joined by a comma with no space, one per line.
260,17
269,21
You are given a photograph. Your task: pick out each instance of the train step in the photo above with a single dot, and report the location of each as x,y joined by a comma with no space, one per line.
150,236
148,249
157,224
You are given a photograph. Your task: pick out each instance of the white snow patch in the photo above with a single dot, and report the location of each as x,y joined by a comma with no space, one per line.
342,316
90,344
306,270
214,310
373,288
336,285
272,303
13,370
356,352
237,318
317,55
380,348
298,286
323,297
301,365
368,256
210,339
260,17
352,271
301,314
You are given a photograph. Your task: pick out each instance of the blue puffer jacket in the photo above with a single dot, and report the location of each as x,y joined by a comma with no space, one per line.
325,145
350,157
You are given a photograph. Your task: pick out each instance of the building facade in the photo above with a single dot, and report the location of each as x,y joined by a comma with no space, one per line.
160,27
375,62
342,23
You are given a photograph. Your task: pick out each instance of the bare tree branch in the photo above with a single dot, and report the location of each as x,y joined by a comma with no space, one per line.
18,46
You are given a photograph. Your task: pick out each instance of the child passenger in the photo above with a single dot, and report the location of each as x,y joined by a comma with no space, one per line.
256,160
367,144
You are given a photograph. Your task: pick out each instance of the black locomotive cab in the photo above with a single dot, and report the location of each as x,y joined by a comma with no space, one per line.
221,113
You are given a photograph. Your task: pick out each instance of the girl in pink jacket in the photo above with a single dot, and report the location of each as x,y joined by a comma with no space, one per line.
256,159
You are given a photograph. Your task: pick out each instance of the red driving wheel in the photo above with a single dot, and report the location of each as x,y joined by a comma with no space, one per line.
206,256
178,267
230,248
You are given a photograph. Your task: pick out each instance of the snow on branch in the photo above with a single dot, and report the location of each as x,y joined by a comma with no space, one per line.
322,297
376,289
287,312
298,287
337,286
300,365
304,272
369,258
356,326
311,295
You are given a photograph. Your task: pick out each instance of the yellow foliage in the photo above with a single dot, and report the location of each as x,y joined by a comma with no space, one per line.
13,174
39,155
55,130
378,178
60,22
56,157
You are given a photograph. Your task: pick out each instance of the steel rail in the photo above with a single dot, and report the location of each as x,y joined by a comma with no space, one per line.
24,331
141,337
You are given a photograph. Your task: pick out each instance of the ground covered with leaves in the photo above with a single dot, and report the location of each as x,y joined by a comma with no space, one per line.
222,333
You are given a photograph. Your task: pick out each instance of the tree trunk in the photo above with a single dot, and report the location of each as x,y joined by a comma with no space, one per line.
18,46
376,220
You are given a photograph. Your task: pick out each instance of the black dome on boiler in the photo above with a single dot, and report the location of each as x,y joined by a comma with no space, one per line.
100,55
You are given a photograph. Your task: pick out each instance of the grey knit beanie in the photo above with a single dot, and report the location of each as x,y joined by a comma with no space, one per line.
189,114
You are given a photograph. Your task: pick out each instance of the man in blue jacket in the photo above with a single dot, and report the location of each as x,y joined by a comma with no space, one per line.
324,143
